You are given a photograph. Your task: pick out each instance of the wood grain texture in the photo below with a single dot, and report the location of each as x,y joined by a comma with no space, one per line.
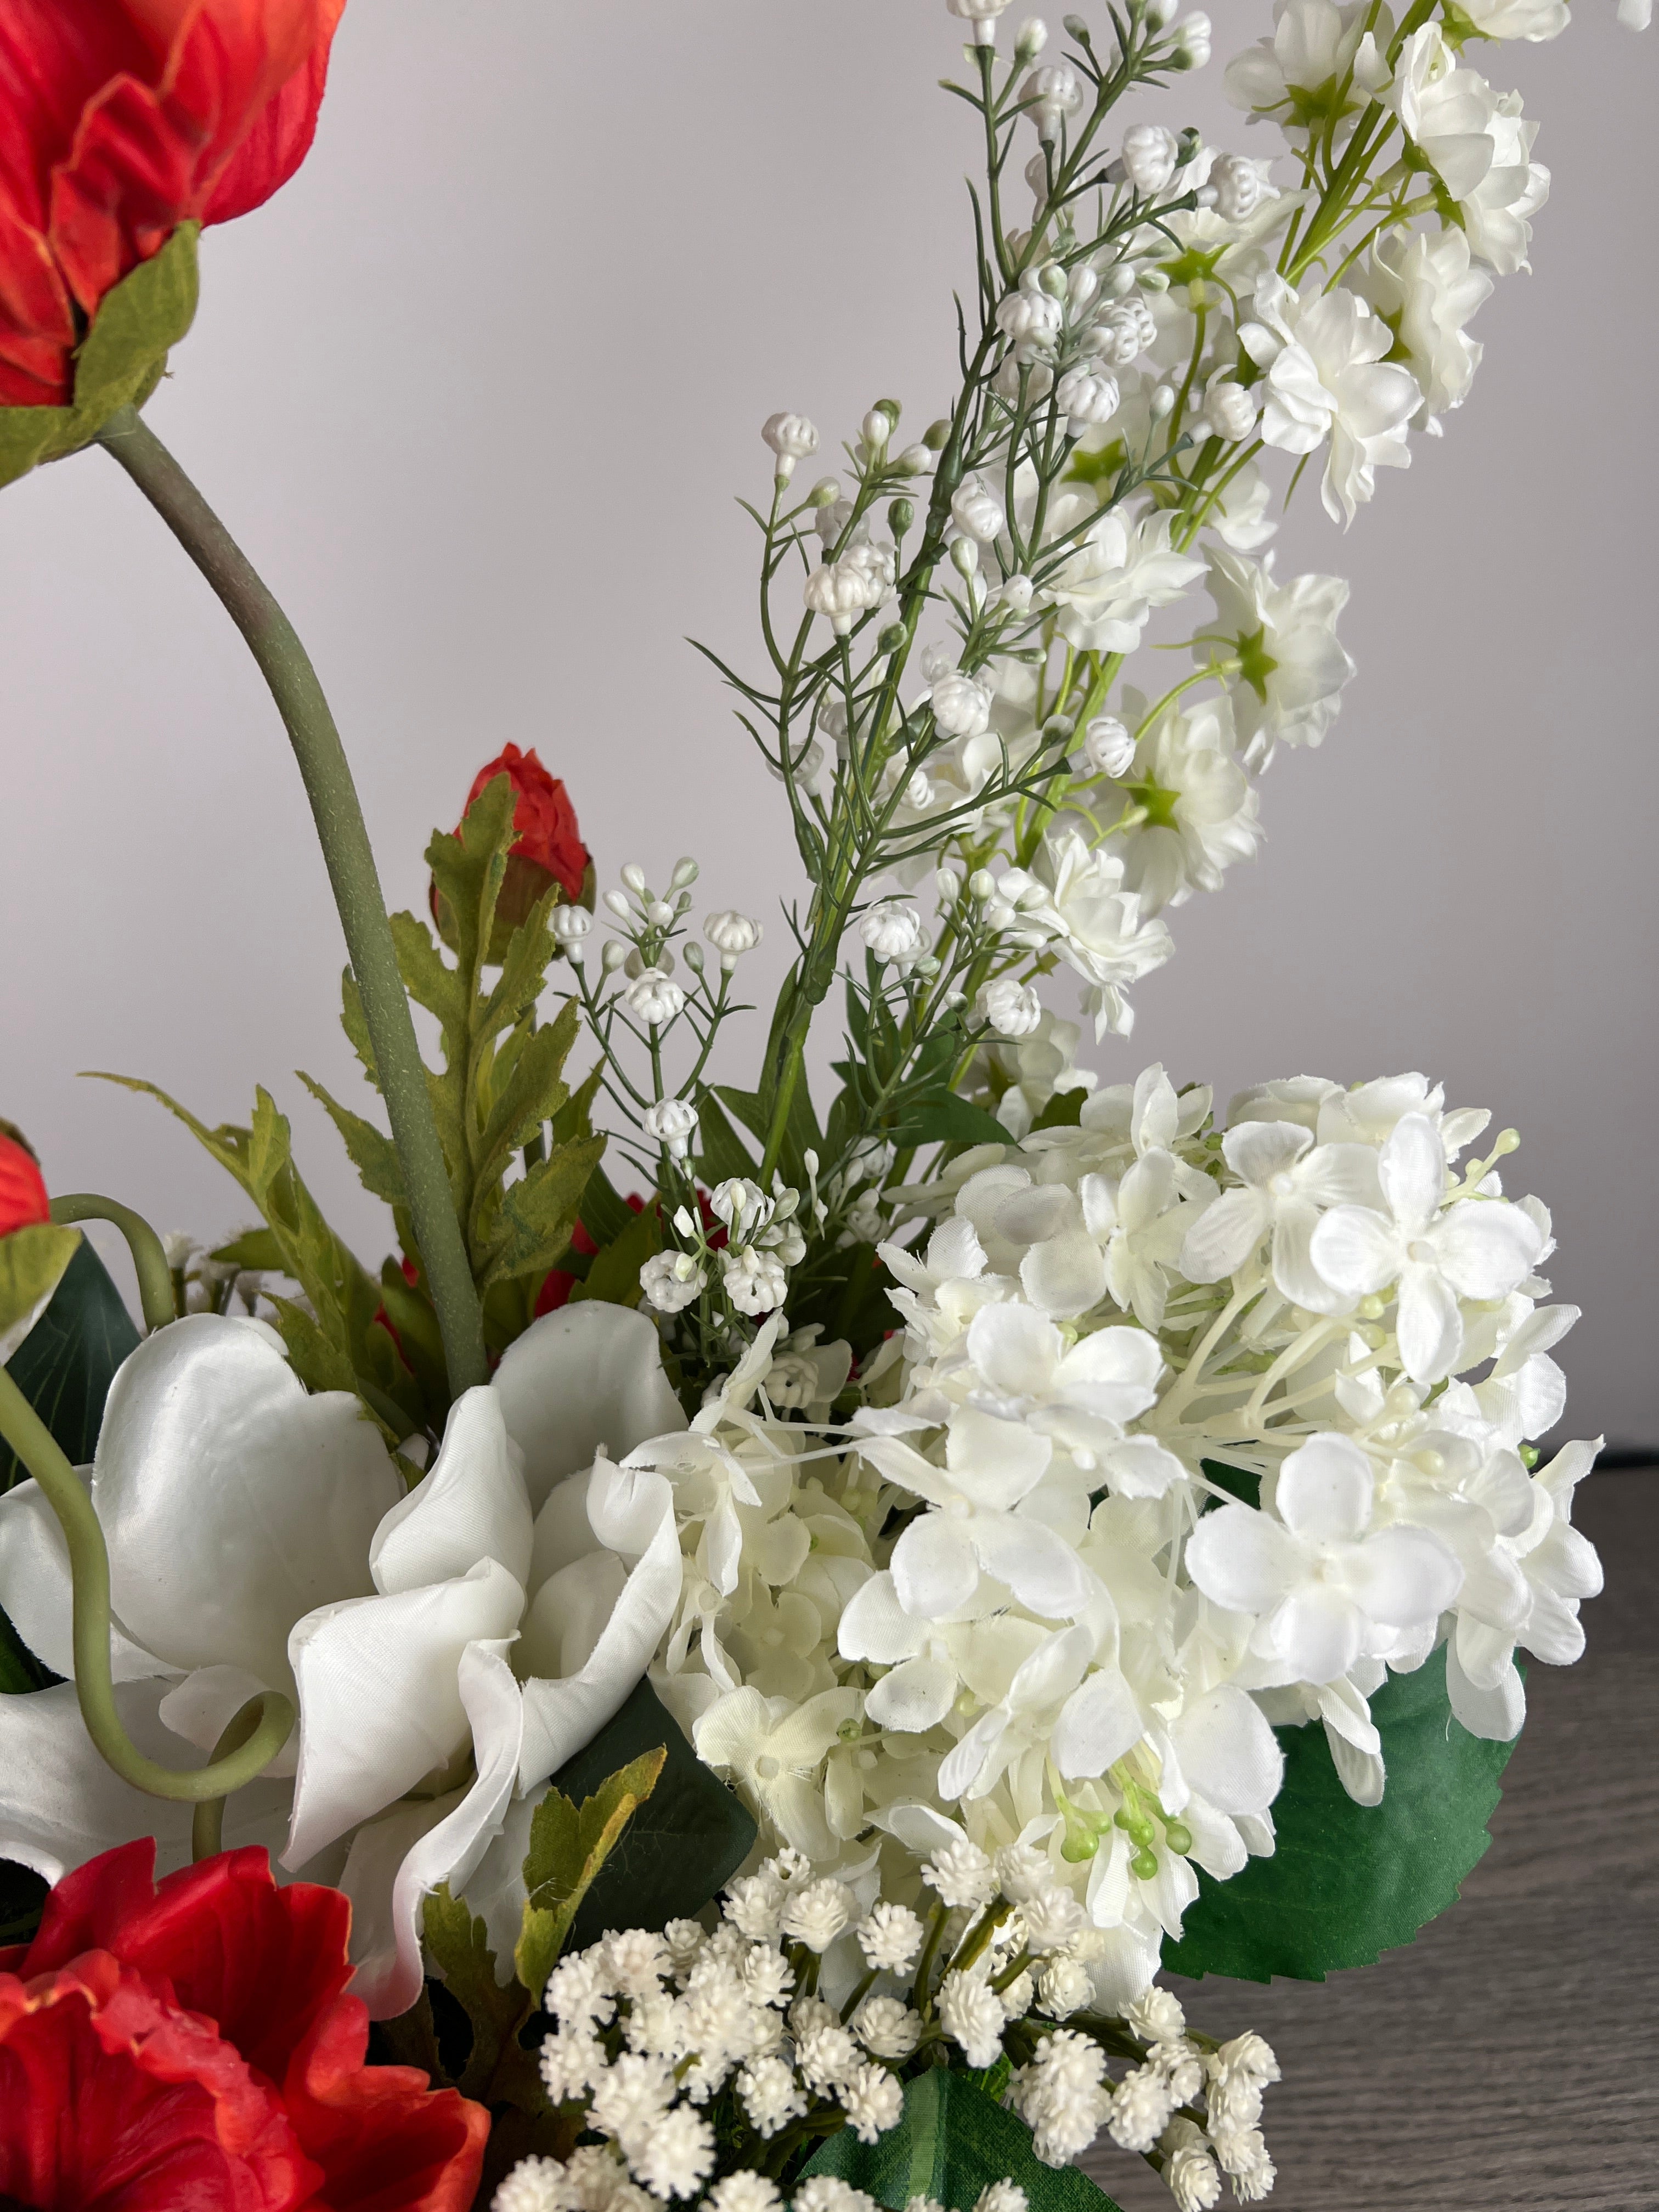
1508,2060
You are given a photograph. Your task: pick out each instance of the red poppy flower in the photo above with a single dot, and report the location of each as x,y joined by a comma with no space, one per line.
190,2043
548,840
120,119
23,1200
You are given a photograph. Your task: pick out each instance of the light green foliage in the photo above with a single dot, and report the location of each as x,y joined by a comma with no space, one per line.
121,363
568,1845
32,1262
1345,1881
498,2071
953,2141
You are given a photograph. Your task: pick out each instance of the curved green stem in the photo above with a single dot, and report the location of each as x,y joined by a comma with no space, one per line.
34,1444
149,1260
207,1825
343,836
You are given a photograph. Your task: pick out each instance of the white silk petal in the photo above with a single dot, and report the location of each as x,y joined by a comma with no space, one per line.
875,1625
562,1715
933,1567
470,1506
380,1702
233,1503
1065,1276
916,1695
1412,1172
1429,1325
60,1805
1355,1251
1226,1233
567,1615
1242,1559
1485,1251
1228,1753
1325,1489
586,1378
394,1864
994,1461
1496,1714
1317,1633
1140,1467
1041,1568
37,1594
1097,1725
1258,1151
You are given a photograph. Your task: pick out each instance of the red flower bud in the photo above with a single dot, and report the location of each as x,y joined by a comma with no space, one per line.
23,1200
547,848
122,119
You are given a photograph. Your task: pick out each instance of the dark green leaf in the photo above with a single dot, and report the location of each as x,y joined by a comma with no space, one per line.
605,1213
499,2070
1063,1110
682,1846
255,1250
952,2143
945,1119
66,1363
1349,1882
724,1152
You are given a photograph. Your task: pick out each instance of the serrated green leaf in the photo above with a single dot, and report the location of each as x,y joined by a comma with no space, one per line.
531,1095
500,2070
373,1155
568,1847
953,2141
682,1846
538,1213
613,1277
32,1262
1347,1882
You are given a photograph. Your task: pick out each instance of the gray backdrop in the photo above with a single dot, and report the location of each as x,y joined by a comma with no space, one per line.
476,391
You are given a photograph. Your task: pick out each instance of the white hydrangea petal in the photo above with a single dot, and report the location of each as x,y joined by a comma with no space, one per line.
586,1378
1015,1348
1495,1714
1227,1234
1325,1489
1355,1251
916,1695
1485,1250
1065,1275
1412,1172
1228,1752
1318,1633
1243,1559
1099,1722
1256,1151
875,1625
935,1568
1295,1275
993,1462
1042,1571
232,1502
380,1704
1428,1327
470,1506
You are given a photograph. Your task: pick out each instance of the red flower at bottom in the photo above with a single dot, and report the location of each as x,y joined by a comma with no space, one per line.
189,2045
23,1200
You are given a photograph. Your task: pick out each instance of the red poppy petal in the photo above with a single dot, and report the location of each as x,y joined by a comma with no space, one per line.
281,134
37,327
385,2141
54,56
87,1910
109,2095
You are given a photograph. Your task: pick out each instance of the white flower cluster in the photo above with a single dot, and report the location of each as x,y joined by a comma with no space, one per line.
1018,1610
798,2012
759,1240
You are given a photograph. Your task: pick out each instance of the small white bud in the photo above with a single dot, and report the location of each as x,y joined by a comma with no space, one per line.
1083,284
982,884
1017,592
1108,747
948,886
1030,38
634,876
685,874
613,957
877,428
982,15
659,914
824,493
964,556
976,510
1086,396
673,1123
1151,155
1161,403
694,958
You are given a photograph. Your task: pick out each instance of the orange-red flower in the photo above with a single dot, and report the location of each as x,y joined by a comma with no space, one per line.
549,839
190,2045
23,1200
120,119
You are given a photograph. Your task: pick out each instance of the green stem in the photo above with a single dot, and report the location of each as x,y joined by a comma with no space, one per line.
34,1444
149,1260
350,858
207,1825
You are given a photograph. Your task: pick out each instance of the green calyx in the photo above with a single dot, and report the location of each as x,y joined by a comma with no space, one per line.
120,362
1256,664
1160,804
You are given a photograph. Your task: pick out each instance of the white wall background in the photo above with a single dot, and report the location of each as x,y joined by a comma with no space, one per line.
476,390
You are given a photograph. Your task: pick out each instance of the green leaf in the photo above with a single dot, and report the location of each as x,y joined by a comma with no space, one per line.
1063,1111
120,361
942,1118
605,1213
682,1846
255,1250
568,1847
32,1262
953,2141
724,1152
1347,1882
500,2070
538,1213
373,1155
614,1276
66,1363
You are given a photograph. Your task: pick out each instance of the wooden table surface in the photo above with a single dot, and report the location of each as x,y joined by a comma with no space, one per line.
1510,2058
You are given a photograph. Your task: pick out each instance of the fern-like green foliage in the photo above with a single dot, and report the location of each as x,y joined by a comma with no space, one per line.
499,1098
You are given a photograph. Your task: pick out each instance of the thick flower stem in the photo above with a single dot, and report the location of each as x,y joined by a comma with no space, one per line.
149,1260
34,1444
343,836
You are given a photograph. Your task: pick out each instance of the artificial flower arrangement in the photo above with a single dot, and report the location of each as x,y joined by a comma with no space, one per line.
770,1619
